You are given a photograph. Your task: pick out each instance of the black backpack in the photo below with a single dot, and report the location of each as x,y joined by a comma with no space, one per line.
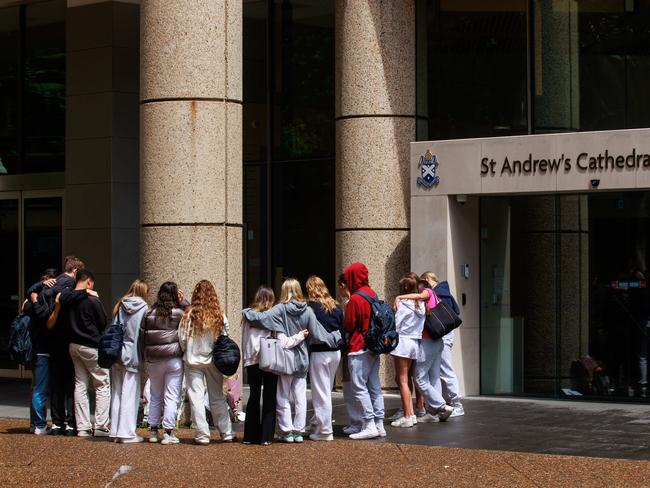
110,345
20,342
381,337
226,355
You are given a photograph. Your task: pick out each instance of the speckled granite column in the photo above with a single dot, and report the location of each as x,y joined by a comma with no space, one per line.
375,122
191,162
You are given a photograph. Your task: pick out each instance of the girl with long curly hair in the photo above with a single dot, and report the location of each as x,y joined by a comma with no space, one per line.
203,322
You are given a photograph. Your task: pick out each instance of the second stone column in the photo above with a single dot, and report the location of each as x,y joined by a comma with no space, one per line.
375,122
190,143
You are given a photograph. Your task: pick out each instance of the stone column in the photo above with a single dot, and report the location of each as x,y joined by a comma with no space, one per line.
375,122
191,160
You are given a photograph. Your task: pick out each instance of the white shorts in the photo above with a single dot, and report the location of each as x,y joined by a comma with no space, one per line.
407,348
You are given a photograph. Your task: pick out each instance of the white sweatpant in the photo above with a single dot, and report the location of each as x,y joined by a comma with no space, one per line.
290,387
322,372
125,401
166,379
448,380
427,372
197,379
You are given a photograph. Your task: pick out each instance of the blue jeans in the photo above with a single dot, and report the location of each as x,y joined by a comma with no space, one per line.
40,370
427,372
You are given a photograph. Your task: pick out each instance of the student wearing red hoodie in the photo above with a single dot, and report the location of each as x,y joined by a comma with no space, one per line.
363,365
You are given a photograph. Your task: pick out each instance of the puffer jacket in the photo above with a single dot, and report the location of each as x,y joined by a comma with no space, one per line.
159,336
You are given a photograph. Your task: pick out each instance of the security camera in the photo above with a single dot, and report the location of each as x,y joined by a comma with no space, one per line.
462,199
595,183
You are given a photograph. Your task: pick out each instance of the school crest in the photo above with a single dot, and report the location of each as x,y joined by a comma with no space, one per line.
428,170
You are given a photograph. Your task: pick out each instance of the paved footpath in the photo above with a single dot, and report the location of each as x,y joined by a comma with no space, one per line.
29,460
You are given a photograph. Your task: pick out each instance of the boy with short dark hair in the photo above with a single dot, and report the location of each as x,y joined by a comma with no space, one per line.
87,321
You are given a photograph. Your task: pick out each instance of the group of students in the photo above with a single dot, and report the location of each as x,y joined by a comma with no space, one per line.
173,339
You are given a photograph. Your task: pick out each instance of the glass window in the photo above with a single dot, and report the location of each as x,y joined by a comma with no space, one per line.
303,82
42,217
32,88
288,139
9,90
44,120
475,67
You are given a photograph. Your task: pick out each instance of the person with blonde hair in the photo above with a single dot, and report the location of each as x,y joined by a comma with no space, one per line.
125,373
202,324
290,318
323,360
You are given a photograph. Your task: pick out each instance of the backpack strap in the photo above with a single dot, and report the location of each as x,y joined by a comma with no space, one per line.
370,301
366,297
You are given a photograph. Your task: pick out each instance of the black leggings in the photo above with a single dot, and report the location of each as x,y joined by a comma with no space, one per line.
256,431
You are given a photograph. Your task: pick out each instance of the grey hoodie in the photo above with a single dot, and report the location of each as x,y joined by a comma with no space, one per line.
130,315
290,318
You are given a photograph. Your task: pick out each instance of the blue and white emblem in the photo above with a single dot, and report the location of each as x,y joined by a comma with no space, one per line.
428,170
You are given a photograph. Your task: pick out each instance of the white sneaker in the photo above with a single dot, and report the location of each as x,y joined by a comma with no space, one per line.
321,437
102,433
380,429
370,432
404,422
169,439
131,440
414,419
85,433
397,415
458,410
202,442
444,413
153,436
42,430
351,429
427,418
228,438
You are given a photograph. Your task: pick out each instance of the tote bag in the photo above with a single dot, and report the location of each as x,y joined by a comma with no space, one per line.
274,358
441,321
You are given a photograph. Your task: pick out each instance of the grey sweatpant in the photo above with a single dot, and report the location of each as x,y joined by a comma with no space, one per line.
366,387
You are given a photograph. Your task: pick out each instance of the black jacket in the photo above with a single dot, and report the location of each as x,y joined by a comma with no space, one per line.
330,321
86,318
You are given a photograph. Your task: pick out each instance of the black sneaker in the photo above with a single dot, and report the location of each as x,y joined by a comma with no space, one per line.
70,431
56,430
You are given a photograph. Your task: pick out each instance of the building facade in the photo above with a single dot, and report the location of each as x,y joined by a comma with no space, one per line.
246,141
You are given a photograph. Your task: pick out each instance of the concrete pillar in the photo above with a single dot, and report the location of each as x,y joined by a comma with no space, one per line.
191,160
375,122
101,178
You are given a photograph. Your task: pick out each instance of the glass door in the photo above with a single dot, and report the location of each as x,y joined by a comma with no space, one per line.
31,241
9,285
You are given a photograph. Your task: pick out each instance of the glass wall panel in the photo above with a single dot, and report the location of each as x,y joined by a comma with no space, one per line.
9,260
476,71
565,306
303,83
592,60
9,90
303,221
42,220
44,119
288,138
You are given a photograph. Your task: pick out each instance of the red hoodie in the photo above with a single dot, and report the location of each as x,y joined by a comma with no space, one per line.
357,311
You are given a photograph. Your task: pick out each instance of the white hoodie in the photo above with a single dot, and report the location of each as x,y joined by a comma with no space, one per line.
409,319
198,348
